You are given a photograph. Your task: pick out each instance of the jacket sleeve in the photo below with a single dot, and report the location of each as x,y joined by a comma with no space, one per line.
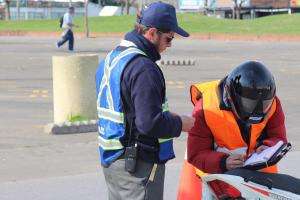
275,128
200,151
147,94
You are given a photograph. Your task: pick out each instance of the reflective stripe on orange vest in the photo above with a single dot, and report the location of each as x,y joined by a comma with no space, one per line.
222,123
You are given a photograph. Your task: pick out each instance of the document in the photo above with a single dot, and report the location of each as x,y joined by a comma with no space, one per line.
264,156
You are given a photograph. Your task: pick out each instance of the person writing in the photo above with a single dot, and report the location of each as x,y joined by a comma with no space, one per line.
235,117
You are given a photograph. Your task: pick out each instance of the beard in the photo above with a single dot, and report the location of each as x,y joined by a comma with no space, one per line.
156,44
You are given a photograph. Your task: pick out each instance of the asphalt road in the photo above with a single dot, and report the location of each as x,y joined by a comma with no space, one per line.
35,165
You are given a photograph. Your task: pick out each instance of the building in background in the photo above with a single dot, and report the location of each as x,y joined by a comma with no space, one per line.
244,8
48,9
53,9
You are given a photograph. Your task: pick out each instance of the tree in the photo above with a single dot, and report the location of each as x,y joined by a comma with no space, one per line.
7,10
127,4
205,7
237,8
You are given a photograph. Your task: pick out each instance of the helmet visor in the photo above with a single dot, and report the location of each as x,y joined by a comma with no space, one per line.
267,105
251,106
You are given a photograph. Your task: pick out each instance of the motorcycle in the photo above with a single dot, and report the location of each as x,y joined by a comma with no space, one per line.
247,184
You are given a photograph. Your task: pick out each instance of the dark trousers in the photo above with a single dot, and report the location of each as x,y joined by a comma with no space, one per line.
68,36
146,183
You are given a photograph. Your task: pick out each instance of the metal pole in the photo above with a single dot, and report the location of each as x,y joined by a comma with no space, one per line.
140,4
26,13
18,9
86,18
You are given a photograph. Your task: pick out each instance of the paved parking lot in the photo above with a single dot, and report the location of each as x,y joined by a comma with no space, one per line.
35,165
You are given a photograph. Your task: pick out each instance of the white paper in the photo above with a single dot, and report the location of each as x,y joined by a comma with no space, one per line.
263,156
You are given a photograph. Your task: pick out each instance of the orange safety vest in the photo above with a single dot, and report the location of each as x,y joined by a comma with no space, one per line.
223,127
190,186
222,123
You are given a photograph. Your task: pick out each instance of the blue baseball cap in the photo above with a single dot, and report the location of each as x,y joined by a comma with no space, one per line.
161,16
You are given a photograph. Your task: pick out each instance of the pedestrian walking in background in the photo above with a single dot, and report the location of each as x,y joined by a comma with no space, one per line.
135,125
67,26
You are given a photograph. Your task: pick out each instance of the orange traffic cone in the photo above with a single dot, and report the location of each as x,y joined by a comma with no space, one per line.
190,187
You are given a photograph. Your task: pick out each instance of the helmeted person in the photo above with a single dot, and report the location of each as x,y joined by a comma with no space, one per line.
135,125
235,117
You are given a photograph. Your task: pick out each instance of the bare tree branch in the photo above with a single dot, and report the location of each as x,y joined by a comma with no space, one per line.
237,7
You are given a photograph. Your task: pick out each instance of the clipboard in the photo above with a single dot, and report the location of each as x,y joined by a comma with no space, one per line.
274,159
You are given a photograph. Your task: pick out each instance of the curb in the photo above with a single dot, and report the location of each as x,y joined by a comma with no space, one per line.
199,36
55,34
184,62
71,127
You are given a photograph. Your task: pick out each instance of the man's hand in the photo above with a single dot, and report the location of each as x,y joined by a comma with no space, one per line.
187,123
234,161
261,148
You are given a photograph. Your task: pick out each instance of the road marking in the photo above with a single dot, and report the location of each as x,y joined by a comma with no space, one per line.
39,93
32,96
38,126
175,84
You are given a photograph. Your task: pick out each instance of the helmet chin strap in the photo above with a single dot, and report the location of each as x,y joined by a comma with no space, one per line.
255,119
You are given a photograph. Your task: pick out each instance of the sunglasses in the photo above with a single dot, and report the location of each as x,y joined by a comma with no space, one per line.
168,38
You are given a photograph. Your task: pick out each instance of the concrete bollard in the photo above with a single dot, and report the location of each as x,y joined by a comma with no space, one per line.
74,92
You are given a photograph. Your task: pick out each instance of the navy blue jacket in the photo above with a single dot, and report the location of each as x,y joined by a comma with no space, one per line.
143,93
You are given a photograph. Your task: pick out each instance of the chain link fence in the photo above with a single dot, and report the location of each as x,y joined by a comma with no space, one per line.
27,10
43,9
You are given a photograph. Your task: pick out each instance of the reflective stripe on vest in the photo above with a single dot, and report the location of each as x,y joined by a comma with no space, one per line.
165,108
110,113
111,144
164,140
166,151
222,122
111,118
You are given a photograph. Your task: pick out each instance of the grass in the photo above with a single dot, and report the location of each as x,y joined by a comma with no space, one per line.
277,24
77,118
193,23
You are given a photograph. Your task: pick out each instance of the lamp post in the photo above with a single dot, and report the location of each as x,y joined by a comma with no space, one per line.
86,25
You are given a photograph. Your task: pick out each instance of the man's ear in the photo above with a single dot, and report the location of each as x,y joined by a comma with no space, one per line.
150,34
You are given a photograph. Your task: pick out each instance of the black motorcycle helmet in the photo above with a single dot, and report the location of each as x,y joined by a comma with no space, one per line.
250,89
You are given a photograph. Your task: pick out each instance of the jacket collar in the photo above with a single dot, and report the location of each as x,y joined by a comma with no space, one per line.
224,105
143,44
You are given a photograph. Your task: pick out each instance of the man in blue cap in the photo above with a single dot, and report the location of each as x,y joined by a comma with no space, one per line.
135,126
